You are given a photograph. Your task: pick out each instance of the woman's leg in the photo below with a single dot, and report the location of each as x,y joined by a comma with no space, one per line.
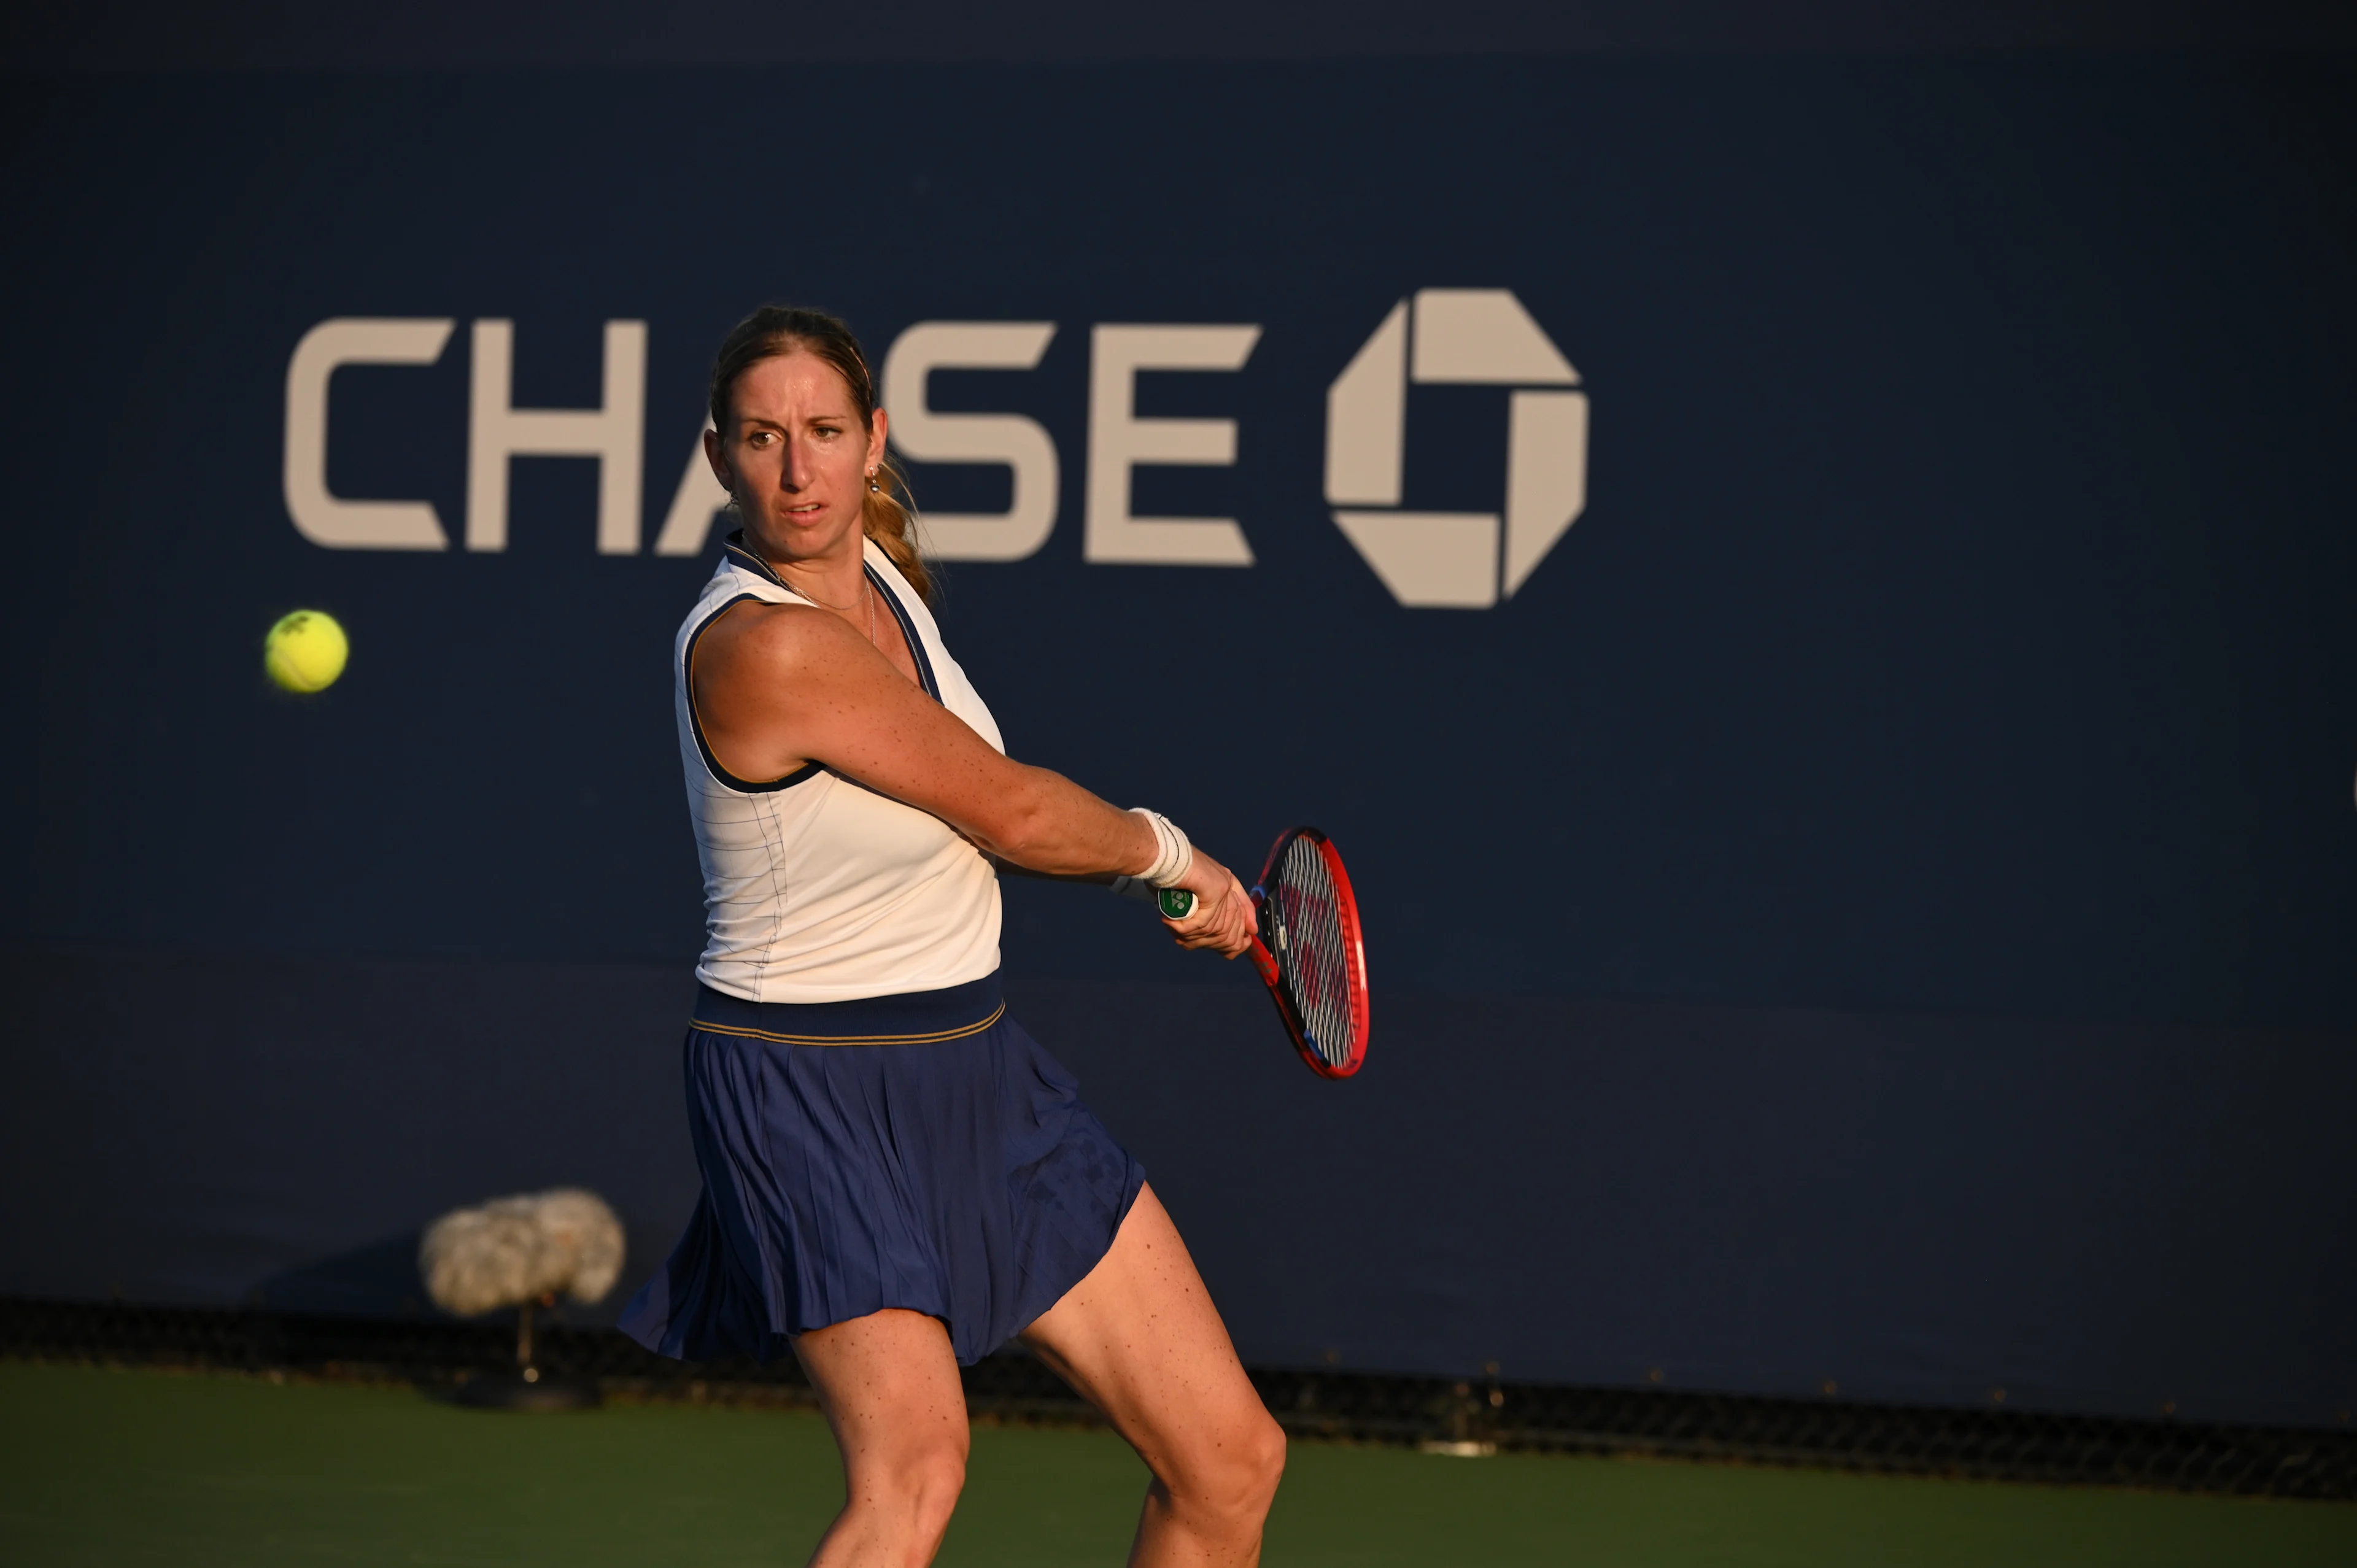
1140,1340
888,1383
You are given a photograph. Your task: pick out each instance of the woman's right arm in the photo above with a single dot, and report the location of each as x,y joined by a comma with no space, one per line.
778,685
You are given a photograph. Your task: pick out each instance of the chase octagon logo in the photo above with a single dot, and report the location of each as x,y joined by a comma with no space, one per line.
1480,337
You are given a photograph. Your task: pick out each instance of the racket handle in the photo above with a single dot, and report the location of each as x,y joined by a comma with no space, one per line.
1171,903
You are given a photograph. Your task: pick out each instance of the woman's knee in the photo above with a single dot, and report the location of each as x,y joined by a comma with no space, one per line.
939,1478
916,1481
1264,1458
1231,1477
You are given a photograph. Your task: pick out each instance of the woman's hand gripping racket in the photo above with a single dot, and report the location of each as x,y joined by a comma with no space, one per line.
1308,950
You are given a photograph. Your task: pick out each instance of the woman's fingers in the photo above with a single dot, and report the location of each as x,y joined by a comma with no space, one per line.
1223,919
1241,923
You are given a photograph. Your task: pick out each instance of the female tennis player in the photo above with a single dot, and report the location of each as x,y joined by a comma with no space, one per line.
896,1179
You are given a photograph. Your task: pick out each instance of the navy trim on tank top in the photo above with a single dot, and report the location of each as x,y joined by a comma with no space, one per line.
910,1018
735,546
909,631
695,719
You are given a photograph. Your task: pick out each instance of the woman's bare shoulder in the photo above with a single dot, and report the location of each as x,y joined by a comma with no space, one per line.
756,635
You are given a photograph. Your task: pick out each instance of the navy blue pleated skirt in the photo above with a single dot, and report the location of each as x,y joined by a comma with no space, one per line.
918,1151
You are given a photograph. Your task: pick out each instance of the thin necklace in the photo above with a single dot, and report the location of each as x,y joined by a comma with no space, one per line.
867,591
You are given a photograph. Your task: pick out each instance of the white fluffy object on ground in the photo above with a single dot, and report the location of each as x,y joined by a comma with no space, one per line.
515,1250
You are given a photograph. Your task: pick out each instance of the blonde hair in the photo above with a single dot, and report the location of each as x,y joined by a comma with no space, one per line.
887,514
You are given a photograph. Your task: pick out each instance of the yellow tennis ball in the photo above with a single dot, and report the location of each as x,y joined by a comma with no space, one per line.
305,651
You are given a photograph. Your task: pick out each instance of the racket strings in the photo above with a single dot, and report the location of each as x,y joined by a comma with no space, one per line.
1313,953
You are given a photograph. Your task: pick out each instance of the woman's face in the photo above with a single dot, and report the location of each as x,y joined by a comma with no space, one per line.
796,457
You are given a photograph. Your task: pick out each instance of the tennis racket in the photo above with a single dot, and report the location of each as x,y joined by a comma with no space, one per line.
1307,951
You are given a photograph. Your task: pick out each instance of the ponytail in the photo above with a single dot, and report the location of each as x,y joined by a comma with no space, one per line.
889,518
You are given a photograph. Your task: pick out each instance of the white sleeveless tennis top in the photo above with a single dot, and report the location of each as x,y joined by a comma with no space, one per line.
817,888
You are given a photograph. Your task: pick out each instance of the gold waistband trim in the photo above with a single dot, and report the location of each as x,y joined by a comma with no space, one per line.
933,1037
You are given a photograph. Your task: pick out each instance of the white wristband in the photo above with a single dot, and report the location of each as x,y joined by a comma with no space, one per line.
1176,854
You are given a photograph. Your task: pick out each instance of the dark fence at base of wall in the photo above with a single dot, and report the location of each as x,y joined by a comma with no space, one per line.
1468,1417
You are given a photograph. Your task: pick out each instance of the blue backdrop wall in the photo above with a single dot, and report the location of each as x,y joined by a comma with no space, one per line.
1870,908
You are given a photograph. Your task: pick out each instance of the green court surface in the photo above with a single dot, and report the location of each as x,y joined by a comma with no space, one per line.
133,1468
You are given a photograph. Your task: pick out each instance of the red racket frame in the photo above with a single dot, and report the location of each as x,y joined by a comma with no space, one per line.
1347,911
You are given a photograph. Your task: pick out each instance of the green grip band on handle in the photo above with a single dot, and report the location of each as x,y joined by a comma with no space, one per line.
1176,903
